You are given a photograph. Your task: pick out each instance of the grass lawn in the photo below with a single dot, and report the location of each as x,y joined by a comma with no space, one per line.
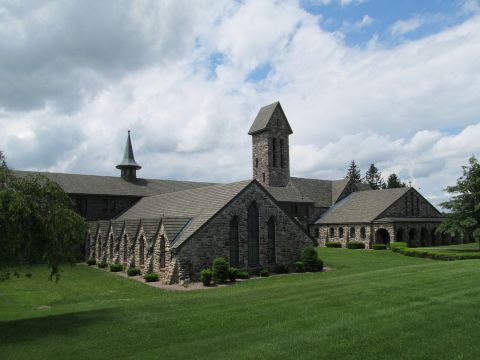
471,248
372,305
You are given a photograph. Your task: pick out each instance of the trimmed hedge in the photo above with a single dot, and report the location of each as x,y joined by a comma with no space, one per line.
150,277
333,244
206,276
102,265
379,247
91,262
232,273
281,269
402,248
310,260
299,268
220,269
263,272
243,275
355,245
133,271
116,267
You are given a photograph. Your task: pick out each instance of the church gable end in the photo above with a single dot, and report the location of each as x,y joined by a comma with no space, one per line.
411,204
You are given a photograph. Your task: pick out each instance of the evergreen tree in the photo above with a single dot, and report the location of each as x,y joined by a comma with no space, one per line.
394,182
373,177
463,215
37,223
353,172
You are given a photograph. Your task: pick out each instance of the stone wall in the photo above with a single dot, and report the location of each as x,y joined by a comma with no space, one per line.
263,154
324,234
213,239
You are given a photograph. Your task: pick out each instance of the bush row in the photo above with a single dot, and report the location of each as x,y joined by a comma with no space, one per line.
355,245
221,270
402,248
333,244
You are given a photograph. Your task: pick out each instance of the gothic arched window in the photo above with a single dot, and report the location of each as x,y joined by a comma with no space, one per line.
282,154
162,252
142,251
332,232
363,233
271,241
234,245
340,232
274,152
253,235
352,233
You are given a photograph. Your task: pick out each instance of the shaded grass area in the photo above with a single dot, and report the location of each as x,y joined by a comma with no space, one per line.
373,304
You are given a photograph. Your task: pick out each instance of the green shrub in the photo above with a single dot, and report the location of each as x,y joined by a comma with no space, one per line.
133,271
333,244
398,246
206,276
379,247
263,272
299,268
150,277
91,262
116,267
102,265
355,245
220,269
232,273
280,269
310,260
243,275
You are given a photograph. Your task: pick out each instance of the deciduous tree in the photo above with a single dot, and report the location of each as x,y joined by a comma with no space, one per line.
463,208
37,223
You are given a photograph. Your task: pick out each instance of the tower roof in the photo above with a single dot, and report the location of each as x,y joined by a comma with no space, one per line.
128,158
263,118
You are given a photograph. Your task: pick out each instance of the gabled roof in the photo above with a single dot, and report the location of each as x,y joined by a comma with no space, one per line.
117,228
362,206
132,227
199,205
263,117
115,186
323,193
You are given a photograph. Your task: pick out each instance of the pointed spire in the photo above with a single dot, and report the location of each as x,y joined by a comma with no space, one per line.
128,166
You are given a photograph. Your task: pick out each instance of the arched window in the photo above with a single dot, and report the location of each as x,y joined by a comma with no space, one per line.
274,152
411,204
363,233
340,232
111,248
234,246
418,206
271,241
352,233
162,252
332,232
253,235
282,154
317,232
142,251
125,248
406,206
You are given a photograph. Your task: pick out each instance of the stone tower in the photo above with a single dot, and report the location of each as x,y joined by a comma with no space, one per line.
128,166
270,131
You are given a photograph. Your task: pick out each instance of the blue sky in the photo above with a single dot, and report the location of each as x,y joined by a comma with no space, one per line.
433,15
390,82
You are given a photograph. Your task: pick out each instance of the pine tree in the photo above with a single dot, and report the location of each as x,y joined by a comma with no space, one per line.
394,182
353,172
373,177
463,215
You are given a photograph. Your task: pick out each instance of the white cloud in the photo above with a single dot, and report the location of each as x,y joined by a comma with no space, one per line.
390,106
402,27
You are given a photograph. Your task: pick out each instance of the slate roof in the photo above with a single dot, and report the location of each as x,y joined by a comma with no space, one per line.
197,205
361,206
104,226
263,117
408,219
323,193
111,185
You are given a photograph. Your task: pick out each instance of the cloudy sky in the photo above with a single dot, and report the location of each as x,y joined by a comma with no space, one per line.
396,83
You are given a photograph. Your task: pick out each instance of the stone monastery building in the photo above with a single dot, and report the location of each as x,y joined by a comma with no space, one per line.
176,228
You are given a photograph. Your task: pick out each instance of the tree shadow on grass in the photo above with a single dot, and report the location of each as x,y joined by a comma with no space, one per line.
70,324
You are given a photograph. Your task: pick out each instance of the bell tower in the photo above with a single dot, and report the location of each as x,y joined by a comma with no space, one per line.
270,147
128,166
